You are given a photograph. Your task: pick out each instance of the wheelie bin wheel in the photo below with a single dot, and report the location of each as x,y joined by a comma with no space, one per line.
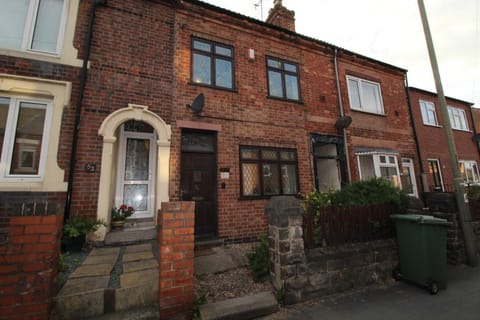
396,274
433,287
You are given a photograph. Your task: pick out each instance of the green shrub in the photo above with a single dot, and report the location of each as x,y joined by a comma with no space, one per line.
258,260
376,191
78,226
473,192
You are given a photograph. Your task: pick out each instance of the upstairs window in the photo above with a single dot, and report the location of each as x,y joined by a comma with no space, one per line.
32,25
24,126
429,115
458,118
364,95
212,64
282,79
268,172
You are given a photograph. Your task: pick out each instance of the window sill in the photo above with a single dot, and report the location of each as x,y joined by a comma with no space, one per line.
285,100
369,112
432,125
212,87
462,130
40,56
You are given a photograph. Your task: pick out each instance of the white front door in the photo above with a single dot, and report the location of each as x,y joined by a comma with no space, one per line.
136,169
409,182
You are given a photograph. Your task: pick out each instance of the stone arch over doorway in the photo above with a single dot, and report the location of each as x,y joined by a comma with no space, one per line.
109,130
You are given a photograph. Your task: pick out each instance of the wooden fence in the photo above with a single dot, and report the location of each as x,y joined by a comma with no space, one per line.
340,225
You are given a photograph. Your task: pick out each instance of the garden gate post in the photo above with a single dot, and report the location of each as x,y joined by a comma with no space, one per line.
286,248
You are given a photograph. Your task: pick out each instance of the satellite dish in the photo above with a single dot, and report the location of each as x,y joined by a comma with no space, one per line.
343,122
197,104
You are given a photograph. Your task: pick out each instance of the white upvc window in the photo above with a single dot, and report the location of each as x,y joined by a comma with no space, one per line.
33,25
379,166
365,95
469,171
24,135
458,118
429,114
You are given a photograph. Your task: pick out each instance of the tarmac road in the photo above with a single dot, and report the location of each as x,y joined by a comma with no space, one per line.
402,301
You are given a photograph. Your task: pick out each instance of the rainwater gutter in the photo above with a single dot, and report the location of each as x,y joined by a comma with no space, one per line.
342,113
83,78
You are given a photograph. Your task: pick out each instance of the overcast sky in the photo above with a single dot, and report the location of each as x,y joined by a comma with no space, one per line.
391,31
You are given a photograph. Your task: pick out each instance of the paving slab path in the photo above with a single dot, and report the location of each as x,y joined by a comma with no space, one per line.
93,289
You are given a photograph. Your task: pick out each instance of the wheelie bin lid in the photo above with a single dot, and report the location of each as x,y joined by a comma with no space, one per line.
420,219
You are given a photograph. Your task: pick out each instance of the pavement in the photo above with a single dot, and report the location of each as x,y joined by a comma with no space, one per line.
401,301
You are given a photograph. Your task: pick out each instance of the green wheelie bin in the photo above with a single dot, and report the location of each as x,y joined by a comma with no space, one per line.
422,250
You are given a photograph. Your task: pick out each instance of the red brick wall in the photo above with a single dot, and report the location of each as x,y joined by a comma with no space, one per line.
130,62
393,130
432,140
29,267
176,243
248,117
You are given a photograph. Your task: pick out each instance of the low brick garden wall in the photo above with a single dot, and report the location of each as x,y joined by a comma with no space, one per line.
29,261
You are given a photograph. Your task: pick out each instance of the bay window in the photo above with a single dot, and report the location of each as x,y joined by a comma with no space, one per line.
469,171
32,25
24,131
378,165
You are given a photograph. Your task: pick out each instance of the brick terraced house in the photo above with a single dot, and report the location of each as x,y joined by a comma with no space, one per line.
436,167
182,100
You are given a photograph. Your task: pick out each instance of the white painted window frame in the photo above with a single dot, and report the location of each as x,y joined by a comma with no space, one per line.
408,163
439,170
379,107
457,113
427,108
29,29
377,164
472,164
123,136
9,143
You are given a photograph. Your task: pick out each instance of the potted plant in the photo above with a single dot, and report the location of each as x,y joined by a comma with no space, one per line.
75,230
120,214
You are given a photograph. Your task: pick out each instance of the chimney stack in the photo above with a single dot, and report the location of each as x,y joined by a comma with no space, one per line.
281,17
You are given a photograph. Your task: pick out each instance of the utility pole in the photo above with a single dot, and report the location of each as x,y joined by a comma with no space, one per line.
463,209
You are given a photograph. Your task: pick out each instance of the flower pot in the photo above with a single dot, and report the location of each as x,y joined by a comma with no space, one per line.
118,224
75,244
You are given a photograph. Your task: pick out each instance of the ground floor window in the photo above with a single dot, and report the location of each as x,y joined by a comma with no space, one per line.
379,166
329,162
268,171
24,131
469,171
435,172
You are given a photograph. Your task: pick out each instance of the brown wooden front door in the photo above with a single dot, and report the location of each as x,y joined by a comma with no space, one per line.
198,182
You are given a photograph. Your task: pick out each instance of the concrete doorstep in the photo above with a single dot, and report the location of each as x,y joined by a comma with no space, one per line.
243,308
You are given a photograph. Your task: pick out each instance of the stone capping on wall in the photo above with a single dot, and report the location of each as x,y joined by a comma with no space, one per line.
176,222
303,275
